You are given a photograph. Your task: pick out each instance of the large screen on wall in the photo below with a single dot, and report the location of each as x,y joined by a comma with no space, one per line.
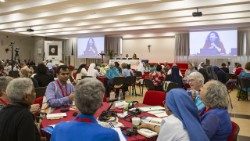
213,43
90,47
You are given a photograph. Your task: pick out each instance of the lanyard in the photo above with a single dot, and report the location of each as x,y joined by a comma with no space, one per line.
83,119
4,102
206,110
64,93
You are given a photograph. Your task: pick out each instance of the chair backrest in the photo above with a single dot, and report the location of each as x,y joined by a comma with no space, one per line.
245,83
234,133
138,74
171,86
154,98
14,74
118,82
239,83
40,91
130,80
149,84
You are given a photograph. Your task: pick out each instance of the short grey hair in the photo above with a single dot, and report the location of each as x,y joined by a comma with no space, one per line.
88,95
197,77
216,95
4,81
18,88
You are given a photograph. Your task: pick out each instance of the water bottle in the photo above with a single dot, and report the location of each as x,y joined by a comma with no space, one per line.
120,95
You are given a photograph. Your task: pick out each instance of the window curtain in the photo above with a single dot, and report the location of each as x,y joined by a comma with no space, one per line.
112,44
247,43
182,44
240,50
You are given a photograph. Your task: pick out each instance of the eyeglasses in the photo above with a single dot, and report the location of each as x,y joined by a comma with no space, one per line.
190,80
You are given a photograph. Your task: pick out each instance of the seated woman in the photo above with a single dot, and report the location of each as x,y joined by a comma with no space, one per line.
111,73
125,71
157,77
183,122
81,71
215,119
246,72
4,100
238,69
88,98
196,81
92,71
25,72
221,75
191,68
16,120
174,75
42,76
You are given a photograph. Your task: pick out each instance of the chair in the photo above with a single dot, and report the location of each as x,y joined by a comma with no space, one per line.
131,81
234,133
14,74
154,98
40,91
171,86
149,84
244,85
139,83
118,84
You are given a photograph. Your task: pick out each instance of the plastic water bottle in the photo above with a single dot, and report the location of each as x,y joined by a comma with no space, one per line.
120,95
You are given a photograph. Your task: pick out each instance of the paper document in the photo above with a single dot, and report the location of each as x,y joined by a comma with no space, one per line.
56,115
159,114
152,120
146,132
151,108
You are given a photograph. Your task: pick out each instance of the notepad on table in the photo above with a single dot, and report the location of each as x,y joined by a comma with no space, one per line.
159,114
151,108
56,115
146,132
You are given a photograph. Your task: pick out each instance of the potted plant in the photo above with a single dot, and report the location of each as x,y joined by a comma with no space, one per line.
110,53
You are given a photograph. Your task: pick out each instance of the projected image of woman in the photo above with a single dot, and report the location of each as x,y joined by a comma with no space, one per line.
213,42
91,48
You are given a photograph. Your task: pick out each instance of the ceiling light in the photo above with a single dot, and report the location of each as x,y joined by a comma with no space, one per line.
2,0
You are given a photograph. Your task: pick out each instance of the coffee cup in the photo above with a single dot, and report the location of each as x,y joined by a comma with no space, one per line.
136,121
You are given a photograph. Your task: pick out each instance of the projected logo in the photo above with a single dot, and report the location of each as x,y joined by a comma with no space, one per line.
53,50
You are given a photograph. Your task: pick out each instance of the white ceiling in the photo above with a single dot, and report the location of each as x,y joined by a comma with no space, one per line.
67,18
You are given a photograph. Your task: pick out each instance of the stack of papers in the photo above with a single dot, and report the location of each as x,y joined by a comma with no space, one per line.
56,115
151,108
146,132
152,120
159,114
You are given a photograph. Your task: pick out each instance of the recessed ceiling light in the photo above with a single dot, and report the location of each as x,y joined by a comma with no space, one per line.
2,0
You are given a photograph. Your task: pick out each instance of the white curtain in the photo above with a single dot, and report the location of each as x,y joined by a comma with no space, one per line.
182,44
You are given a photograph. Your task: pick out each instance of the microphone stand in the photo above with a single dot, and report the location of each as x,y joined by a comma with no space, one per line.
12,55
